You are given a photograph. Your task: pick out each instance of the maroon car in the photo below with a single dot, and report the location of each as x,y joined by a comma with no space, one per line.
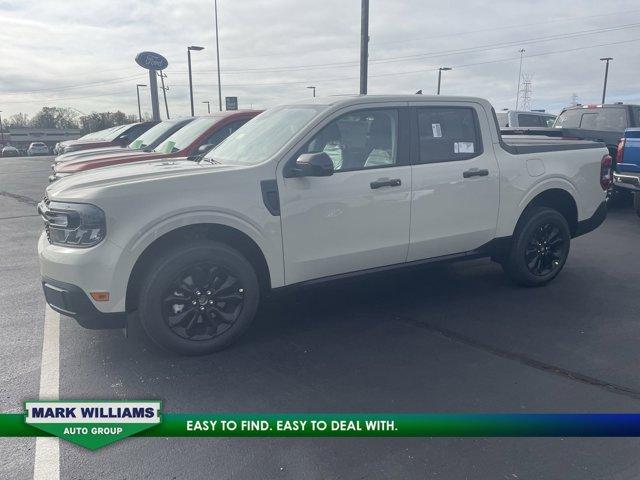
111,137
193,140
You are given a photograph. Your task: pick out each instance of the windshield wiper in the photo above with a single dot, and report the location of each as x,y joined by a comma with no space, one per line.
210,160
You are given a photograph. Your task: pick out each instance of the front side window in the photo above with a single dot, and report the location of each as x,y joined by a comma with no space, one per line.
359,140
448,134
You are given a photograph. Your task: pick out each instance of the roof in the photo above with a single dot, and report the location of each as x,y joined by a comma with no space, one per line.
344,100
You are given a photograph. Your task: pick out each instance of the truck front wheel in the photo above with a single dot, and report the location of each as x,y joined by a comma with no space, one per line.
198,298
539,247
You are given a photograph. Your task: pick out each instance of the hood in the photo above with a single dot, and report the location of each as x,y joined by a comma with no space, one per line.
83,163
92,151
77,186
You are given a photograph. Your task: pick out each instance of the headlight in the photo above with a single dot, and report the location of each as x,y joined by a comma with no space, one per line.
73,224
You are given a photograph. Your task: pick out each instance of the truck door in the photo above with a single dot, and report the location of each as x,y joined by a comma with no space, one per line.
358,218
455,180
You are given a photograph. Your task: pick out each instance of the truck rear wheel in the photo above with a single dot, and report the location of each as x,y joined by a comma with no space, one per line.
198,298
539,248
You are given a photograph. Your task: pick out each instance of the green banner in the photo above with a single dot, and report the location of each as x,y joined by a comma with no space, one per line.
96,424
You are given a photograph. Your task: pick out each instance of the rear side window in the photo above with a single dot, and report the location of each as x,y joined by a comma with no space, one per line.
528,120
448,134
605,119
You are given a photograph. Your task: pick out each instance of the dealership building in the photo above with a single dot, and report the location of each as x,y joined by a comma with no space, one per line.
22,137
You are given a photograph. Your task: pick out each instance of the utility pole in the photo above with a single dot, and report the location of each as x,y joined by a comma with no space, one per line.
138,92
190,79
364,46
606,74
208,106
314,91
1,131
215,8
440,70
164,91
574,99
519,76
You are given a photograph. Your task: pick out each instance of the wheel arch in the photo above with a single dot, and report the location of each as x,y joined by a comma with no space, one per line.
558,199
226,234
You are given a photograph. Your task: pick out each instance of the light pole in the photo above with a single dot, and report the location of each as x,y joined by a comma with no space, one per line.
314,90
364,46
1,131
208,106
138,92
440,70
190,79
215,9
606,74
519,77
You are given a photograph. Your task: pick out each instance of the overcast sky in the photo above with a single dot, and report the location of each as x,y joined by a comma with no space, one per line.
80,53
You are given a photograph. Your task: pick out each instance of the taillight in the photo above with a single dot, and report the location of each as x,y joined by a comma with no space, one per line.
605,172
620,151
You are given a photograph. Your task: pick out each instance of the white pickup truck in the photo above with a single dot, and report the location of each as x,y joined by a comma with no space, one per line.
306,193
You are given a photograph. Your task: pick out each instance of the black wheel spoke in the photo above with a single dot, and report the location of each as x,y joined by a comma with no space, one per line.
202,302
545,250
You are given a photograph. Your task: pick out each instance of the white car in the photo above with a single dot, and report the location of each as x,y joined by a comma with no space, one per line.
38,148
308,193
9,151
525,119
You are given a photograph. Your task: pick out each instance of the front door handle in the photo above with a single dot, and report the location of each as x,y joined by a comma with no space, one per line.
384,182
475,172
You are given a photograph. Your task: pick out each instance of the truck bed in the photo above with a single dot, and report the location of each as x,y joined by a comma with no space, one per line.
524,144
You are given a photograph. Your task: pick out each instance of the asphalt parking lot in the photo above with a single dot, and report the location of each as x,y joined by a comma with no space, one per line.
448,338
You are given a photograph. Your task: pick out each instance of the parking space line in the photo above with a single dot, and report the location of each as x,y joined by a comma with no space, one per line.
47,457
523,359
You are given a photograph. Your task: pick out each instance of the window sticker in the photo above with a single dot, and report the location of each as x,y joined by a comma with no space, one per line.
463,147
437,130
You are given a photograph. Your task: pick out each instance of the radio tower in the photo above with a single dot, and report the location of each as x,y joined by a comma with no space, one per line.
574,99
527,90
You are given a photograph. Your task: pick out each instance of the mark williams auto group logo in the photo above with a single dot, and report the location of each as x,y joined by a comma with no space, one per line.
93,424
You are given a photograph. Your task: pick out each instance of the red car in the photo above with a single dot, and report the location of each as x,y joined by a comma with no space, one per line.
194,139
111,137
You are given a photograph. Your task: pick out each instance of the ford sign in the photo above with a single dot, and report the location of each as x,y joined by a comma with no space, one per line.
151,61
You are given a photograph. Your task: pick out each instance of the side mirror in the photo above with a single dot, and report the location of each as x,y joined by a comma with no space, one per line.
312,165
204,148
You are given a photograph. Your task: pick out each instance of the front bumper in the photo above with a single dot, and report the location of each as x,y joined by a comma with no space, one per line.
629,181
71,301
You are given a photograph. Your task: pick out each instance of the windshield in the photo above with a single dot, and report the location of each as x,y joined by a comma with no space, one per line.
263,136
153,134
186,135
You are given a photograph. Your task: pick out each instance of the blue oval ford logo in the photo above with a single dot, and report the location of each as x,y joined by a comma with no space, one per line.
151,61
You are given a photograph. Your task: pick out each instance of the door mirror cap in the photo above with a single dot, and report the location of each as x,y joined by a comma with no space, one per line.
204,148
313,165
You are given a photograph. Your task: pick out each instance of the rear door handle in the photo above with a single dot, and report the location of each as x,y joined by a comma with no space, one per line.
475,172
383,182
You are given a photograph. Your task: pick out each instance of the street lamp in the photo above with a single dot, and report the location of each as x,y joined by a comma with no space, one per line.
314,90
606,74
138,92
215,7
1,131
440,70
208,106
190,79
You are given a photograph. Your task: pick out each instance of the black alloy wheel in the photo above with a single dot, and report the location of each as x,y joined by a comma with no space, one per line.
545,250
202,302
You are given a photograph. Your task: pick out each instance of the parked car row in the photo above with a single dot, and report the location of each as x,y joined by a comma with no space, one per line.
119,136
193,234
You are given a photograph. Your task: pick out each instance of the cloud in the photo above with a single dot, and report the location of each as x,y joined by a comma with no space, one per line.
79,53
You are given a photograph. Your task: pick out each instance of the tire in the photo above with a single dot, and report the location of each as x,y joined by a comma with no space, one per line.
200,272
539,247
636,202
